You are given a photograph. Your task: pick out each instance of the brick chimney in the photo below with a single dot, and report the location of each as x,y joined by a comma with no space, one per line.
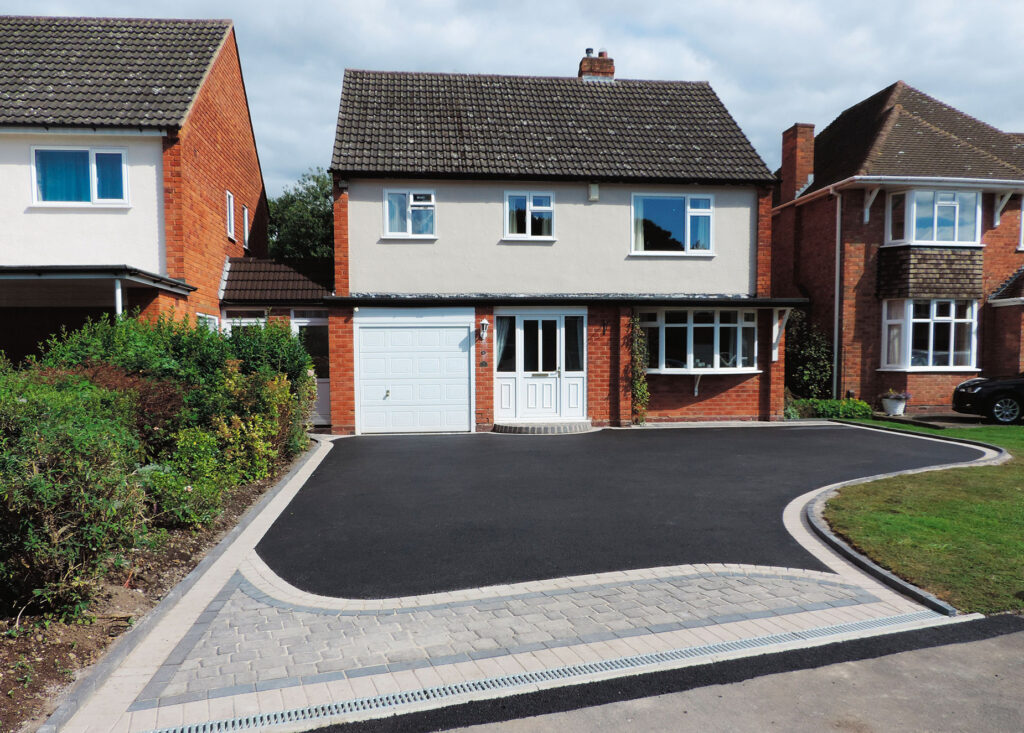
797,160
596,67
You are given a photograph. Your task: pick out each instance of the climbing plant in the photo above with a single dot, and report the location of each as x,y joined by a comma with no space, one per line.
638,360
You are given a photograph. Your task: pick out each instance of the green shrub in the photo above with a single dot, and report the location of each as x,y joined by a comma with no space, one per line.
71,504
808,358
828,409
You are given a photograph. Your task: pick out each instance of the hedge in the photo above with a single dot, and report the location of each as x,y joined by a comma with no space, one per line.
828,409
125,428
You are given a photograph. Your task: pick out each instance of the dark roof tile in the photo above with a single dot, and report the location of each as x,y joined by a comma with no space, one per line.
103,72
252,279
460,125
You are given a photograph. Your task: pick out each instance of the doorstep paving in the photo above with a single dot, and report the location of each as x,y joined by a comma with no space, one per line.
244,648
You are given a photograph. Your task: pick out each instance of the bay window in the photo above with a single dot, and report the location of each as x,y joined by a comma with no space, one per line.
929,334
921,216
695,340
672,223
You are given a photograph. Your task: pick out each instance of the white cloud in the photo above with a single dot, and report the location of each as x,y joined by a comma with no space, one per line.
772,63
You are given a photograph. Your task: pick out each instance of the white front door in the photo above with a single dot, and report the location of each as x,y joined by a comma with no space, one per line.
540,371
311,327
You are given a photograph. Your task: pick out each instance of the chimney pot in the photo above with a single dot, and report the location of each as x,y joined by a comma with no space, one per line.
602,54
590,53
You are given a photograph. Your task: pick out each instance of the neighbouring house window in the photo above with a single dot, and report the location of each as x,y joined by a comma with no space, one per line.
934,216
409,213
928,333
245,227
233,320
672,224
529,215
687,340
230,201
80,175
209,322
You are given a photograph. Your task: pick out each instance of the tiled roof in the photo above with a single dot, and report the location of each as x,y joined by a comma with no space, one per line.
901,131
103,72
477,126
1013,287
251,279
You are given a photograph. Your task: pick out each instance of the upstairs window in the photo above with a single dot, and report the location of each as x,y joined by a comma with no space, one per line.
529,215
245,227
230,202
934,216
672,224
80,176
929,334
408,213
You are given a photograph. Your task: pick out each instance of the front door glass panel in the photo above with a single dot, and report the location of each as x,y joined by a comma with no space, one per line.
549,346
531,346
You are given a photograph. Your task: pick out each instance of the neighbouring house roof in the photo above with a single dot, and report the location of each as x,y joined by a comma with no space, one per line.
251,279
479,126
901,131
103,72
1012,287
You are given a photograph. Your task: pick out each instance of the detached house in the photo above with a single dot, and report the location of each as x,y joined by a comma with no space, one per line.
495,234
128,171
901,221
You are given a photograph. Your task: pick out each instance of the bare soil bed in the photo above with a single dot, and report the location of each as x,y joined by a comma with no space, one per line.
41,659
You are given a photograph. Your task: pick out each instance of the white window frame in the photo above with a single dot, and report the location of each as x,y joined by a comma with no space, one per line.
530,208
662,326
94,200
686,252
229,200
210,321
258,318
245,227
905,320
409,193
910,218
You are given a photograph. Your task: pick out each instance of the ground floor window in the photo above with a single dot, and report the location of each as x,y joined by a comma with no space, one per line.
688,340
936,333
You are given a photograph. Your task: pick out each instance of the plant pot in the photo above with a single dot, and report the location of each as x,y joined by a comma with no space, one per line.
893,406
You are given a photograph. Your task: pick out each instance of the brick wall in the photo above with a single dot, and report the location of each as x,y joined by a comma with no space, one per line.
213,153
763,287
797,160
341,278
343,388
483,360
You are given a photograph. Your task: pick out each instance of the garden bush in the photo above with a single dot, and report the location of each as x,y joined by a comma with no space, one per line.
828,409
126,425
71,504
808,358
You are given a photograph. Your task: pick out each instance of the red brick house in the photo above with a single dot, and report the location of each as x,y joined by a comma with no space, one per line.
901,222
128,170
495,234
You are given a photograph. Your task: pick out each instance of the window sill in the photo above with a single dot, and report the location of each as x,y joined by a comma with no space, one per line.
927,370
959,245
408,238
706,255
698,372
528,240
78,205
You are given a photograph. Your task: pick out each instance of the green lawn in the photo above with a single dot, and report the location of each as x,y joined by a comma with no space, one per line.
957,533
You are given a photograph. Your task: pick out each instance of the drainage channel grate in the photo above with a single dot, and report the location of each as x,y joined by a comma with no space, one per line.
381,703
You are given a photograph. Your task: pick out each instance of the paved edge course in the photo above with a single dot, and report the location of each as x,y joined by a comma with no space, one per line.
814,511
71,700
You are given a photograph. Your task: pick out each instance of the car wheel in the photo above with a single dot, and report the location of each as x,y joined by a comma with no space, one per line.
1005,409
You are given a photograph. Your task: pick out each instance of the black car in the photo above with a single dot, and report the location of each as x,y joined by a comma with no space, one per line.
1001,399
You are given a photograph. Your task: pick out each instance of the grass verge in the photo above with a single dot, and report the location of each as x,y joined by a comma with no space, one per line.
957,533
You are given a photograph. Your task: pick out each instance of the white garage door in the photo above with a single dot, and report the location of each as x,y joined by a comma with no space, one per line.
414,378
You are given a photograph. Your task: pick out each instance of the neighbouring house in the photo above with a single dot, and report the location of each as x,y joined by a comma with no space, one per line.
901,222
128,171
494,235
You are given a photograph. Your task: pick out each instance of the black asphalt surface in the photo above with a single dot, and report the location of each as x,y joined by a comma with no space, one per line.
387,516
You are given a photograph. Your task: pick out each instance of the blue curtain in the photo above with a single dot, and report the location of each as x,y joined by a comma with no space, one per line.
62,175
109,180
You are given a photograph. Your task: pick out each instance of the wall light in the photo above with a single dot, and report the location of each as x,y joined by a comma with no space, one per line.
484,327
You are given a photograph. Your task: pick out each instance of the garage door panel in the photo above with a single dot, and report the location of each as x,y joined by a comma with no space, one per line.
414,378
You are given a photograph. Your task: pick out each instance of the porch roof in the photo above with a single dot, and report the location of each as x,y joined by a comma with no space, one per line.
95,272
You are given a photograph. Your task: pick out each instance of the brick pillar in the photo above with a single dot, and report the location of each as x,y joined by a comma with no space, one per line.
623,357
484,363
341,281
776,374
764,242
602,405
174,228
343,388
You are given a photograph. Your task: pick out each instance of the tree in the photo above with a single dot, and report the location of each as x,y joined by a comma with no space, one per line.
808,358
302,218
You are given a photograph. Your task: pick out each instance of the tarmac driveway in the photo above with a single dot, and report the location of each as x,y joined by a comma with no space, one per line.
404,515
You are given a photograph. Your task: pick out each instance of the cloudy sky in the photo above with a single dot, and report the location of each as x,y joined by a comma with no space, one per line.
772,63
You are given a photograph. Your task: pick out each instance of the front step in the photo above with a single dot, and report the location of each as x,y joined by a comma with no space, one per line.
545,428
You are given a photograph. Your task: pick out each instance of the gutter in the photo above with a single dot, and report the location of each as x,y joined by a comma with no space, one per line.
424,299
837,288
